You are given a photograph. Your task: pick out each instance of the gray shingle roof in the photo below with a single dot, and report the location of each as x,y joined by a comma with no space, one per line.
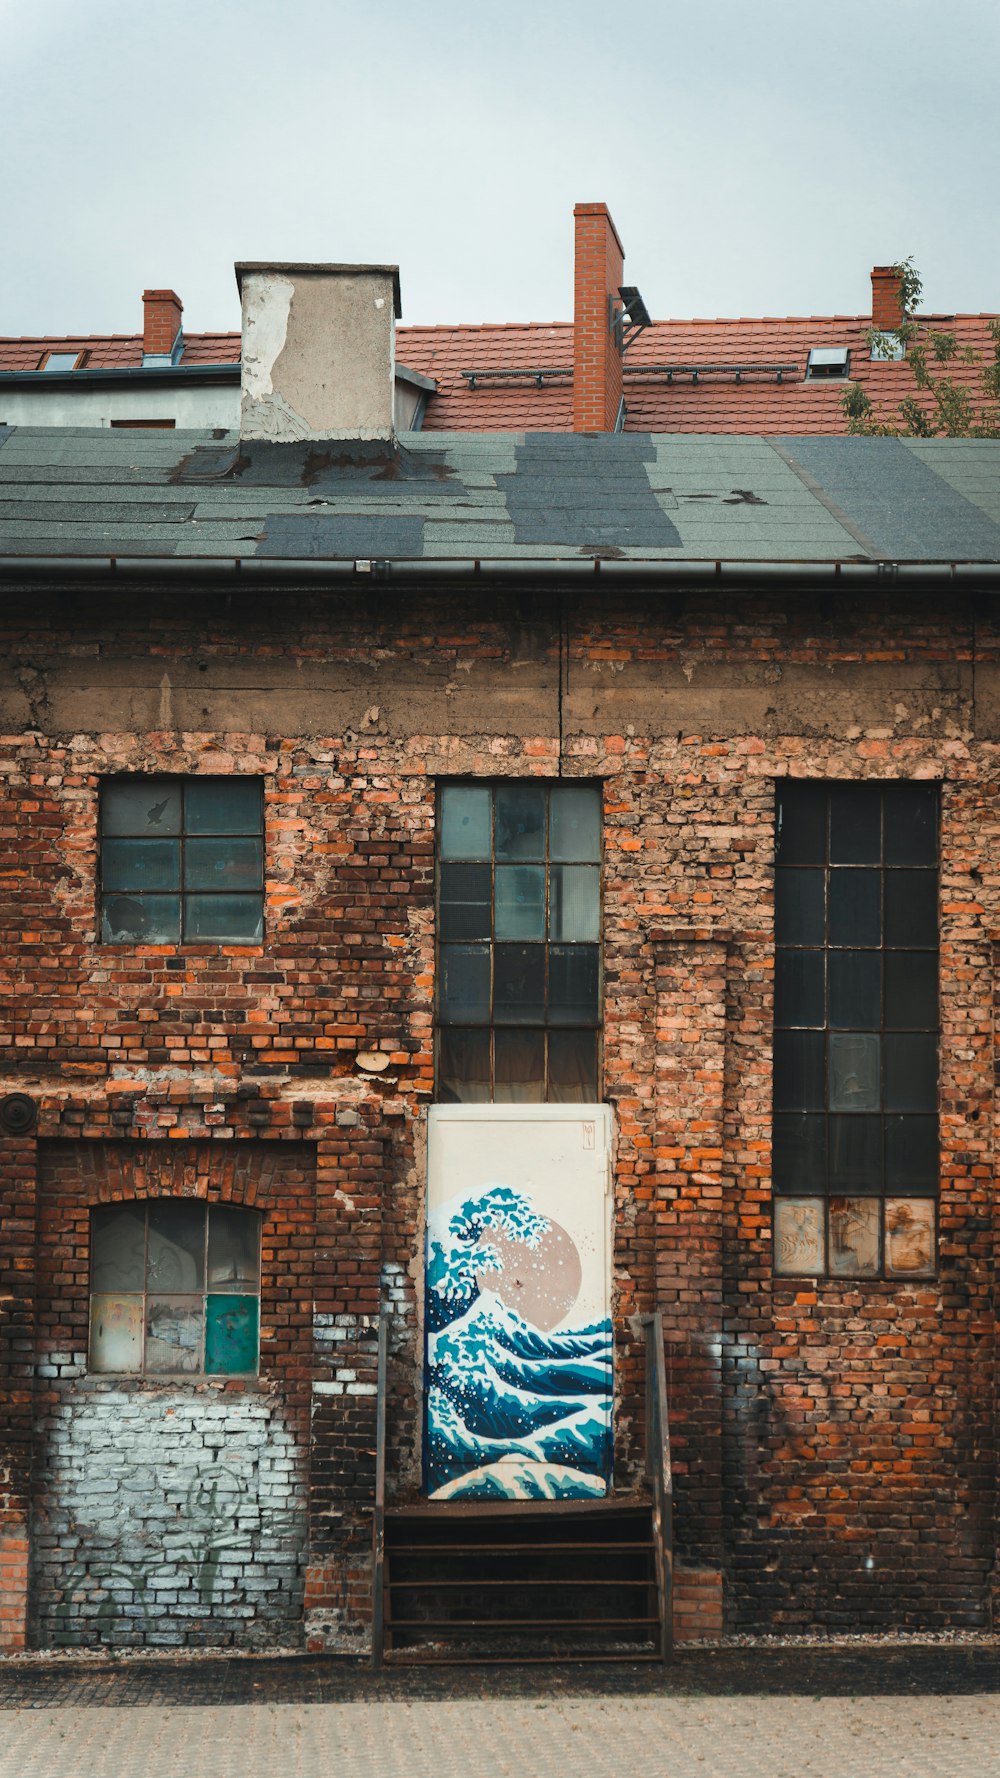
499,497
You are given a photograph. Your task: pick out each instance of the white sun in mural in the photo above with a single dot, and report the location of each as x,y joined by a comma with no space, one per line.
540,1283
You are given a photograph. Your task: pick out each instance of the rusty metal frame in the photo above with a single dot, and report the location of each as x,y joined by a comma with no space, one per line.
659,1474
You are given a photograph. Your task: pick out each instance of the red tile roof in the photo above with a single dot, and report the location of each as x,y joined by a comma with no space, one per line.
758,404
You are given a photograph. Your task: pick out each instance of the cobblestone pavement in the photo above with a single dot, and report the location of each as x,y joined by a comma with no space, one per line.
737,1714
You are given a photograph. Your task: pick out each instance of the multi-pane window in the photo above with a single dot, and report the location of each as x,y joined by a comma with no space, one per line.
519,957
182,860
855,1160
175,1287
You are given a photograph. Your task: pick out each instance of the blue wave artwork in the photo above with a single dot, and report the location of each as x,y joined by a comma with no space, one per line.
515,1411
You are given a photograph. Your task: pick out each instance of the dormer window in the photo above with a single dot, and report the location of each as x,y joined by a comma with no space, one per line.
828,361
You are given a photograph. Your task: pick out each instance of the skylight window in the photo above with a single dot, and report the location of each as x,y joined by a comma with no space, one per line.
828,361
888,347
57,361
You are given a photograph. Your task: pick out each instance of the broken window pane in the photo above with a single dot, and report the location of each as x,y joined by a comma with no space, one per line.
175,1256
223,864
575,903
116,1333
228,919
141,864
520,901
575,823
141,920
520,821
232,1334
118,1250
466,827
519,1067
141,806
798,1236
464,1066
174,1333
233,1245
222,805
854,1234
909,1237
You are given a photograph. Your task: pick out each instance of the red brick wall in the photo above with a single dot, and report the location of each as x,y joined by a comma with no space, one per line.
812,1428
597,361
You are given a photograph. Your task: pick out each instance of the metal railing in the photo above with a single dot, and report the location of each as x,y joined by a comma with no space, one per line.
659,1476
378,1520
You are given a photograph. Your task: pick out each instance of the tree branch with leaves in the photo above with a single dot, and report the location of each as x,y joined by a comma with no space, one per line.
942,407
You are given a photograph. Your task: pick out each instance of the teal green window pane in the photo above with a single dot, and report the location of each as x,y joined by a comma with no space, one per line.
575,903
520,821
233,1246
222,805
147,806
232,1334
223,919
141,919
520,901
575,824
141,864
223,864
465,822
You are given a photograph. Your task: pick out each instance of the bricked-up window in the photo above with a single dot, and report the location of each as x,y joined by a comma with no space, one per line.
182,861
855,1159
175,1287
519,926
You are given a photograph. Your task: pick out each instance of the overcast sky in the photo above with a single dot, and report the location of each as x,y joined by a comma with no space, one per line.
758,156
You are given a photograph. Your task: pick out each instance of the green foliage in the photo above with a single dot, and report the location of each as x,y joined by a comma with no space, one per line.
948,409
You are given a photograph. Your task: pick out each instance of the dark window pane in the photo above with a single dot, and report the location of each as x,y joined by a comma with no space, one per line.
141,864
519,908
520,821
175,1255
798,1071
519,1067
855,1083
174,1333
232,1334
854,979
519,985
233,1246
223,919
118,1252
855,824
911,1073
911,1154
465,906
911,824
799,997
854,1237
465,822
798,907
801,823
575,823
575,903
574,985
465,984
464,1067
223,864
222,805
141,806
799,1153
856,1154
911,990
573,1067
911,908
855,911
141,920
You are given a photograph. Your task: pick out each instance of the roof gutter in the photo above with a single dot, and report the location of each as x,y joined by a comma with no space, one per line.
269,569
149,376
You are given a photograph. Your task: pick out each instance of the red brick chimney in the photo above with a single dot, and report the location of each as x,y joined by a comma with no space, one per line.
597,361
887,312
161,322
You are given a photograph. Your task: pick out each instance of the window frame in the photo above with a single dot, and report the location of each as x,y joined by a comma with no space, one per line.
181,781
544,1027
150,1291
818,1207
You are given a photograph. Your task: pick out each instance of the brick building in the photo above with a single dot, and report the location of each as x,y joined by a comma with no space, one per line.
511,884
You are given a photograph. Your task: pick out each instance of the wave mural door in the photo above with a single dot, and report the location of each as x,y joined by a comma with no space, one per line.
517,1298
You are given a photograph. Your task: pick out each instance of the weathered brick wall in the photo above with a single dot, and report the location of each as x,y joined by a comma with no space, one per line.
813,1429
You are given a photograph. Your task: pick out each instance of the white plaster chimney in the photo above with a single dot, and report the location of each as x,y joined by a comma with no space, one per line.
318,351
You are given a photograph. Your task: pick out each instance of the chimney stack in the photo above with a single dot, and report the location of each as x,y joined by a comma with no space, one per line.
162,338
597,361
887,312
318,358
